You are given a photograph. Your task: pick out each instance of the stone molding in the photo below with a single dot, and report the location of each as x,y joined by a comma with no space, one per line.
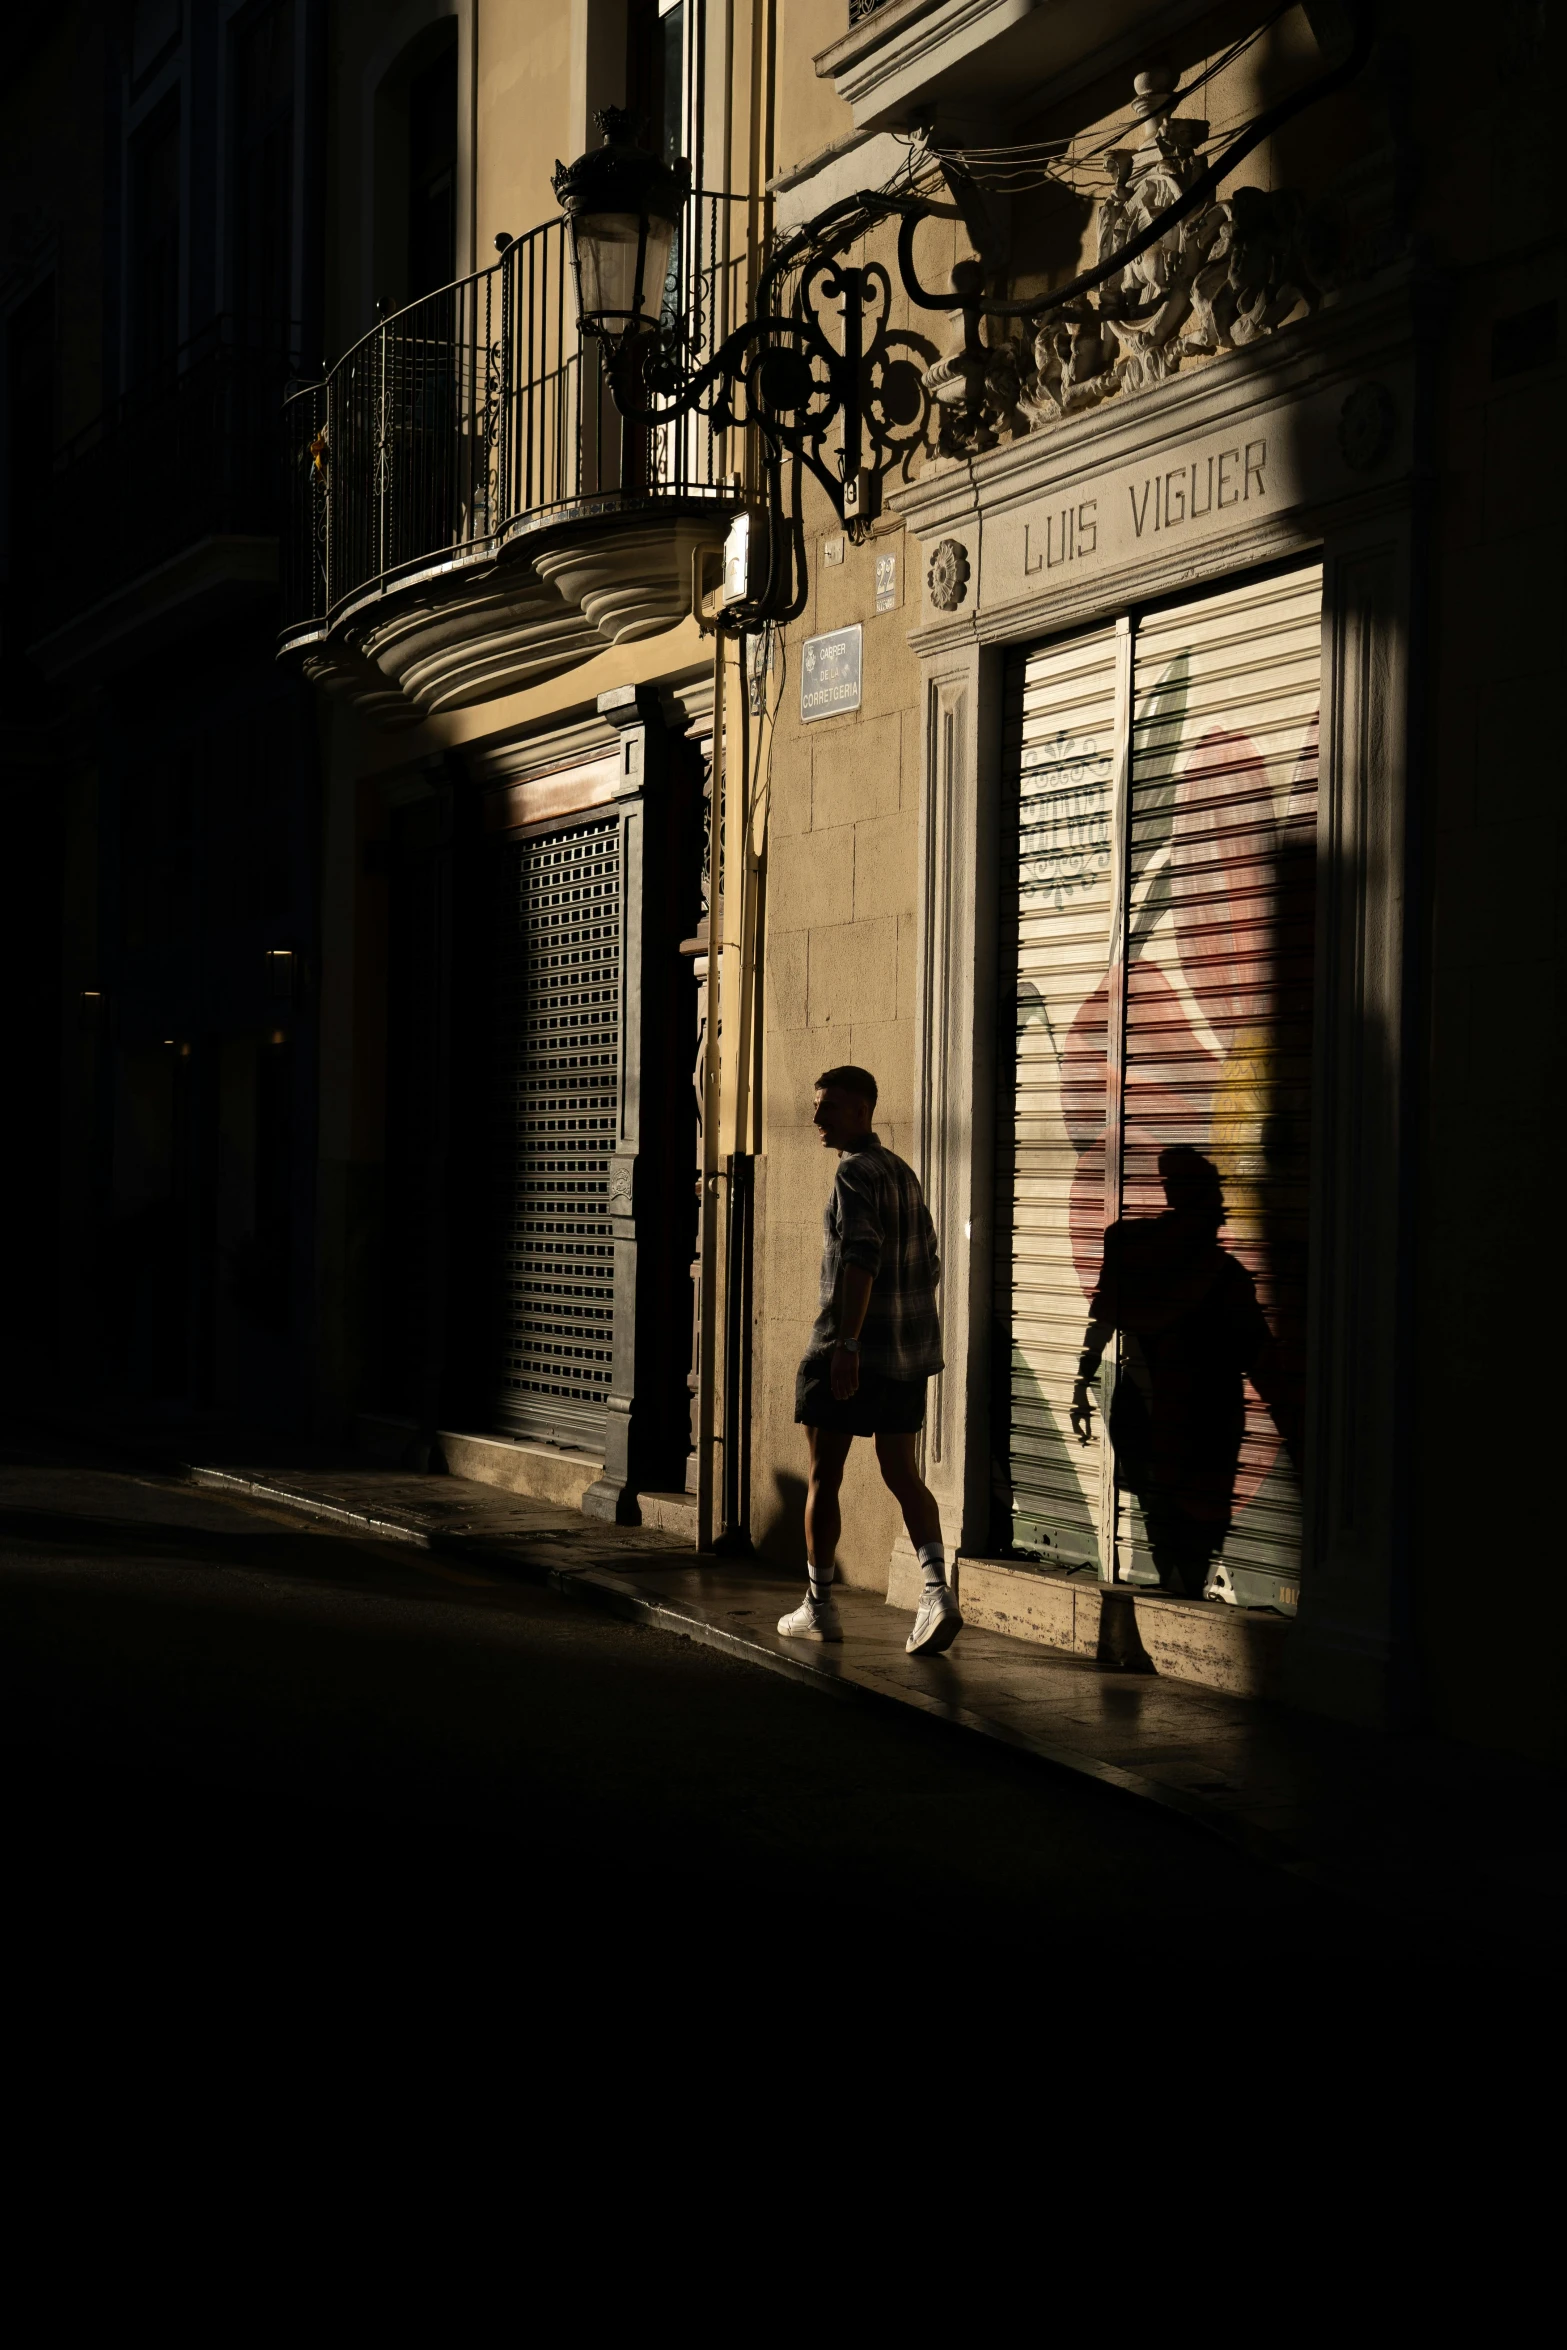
647,1394
891,58
150,611
960,833
986,56
1062,524
1357,1440
866,160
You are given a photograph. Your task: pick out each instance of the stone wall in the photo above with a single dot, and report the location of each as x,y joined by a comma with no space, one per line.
842,861
1484,1413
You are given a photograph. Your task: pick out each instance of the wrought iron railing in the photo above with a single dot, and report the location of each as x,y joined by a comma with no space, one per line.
859,10
478,414
191,455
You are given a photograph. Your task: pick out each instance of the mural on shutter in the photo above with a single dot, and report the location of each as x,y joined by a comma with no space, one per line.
1193,1302
1061,742
557,988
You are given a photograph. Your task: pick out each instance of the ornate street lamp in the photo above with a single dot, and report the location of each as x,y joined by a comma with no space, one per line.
781,374
622,206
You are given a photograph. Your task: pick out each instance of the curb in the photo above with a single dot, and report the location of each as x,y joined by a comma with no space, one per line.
615,1594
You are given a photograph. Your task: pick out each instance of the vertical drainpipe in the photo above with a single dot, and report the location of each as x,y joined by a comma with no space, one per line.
707,1365
731,1112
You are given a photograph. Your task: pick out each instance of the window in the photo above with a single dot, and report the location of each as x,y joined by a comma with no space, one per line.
155,244
30,416
157,850
263,176
155,27
672,27
432,175
658,77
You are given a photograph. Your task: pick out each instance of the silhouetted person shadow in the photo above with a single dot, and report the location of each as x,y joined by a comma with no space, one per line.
1193,1331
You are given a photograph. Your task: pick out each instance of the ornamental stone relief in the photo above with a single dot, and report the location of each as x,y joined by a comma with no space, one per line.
1234,270
948,575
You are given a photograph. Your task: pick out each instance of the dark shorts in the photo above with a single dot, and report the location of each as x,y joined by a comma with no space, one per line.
879,1407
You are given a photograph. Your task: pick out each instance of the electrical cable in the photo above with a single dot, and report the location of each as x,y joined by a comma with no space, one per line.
991,165
1202,188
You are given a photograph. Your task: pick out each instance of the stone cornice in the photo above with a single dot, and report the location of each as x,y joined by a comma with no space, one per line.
873,32
916,45
118,630
910,53
1351,334
1249,453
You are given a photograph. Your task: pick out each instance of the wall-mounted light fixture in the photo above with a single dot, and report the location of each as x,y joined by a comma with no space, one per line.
279,963
780,374
622,207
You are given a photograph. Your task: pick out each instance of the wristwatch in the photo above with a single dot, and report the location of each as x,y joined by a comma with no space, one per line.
851,1346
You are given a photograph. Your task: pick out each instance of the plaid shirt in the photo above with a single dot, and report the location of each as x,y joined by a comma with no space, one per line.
877,1219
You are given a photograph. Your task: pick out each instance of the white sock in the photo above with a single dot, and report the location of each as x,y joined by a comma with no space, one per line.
820,1581
933,1561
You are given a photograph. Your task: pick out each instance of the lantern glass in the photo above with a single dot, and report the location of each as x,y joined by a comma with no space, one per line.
610,247
607,250
655,269
622,204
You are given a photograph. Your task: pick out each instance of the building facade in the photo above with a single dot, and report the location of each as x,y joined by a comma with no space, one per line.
160,774
1123,744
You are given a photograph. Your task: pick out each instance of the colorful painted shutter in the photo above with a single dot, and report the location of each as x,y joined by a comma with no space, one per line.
557,999
1203,1038
1061,733
1219,993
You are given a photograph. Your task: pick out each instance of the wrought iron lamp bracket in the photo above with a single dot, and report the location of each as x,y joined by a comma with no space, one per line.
783,375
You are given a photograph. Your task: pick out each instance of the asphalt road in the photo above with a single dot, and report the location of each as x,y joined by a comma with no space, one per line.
228,1730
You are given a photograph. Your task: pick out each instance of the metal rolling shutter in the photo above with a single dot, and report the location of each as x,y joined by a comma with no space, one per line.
1061,730
1219,989
556,975
1203,1039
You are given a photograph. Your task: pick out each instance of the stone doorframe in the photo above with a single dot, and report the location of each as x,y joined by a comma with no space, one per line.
1042,537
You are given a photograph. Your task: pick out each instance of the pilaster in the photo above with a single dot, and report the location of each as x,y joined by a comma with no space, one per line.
645,1431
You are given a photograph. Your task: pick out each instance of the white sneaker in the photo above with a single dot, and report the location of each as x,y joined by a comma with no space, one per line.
937,1623
813,1619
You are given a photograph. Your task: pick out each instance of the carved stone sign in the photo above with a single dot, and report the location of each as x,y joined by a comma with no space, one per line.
1145,511
830,674
1206,485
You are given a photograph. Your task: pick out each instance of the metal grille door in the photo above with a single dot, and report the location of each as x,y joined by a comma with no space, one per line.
1164,921
557,1000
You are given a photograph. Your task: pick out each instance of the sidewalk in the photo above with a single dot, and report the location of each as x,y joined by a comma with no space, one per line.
1415,1827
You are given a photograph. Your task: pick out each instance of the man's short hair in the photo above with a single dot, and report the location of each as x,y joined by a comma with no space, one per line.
849,1079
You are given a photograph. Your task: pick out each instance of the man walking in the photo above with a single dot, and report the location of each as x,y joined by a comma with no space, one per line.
876,1341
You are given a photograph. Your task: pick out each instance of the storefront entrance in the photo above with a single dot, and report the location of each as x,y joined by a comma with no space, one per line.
1154,1149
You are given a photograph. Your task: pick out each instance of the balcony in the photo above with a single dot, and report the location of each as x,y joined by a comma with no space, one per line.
468,511
168,500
